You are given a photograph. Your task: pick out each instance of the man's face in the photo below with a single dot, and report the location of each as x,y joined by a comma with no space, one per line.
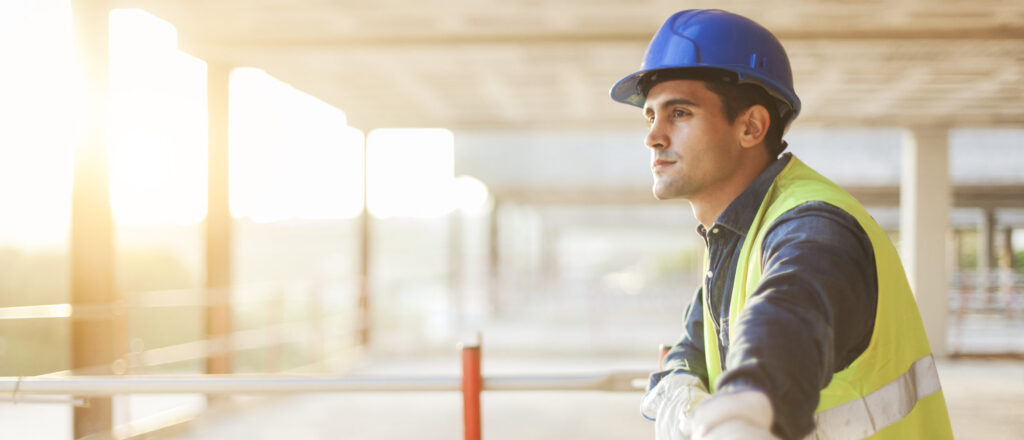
693,147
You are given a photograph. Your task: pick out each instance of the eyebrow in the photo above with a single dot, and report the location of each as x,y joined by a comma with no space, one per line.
673,102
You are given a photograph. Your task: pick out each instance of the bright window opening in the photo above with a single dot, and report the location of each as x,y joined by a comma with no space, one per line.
157,125
38,129
410,172
292,156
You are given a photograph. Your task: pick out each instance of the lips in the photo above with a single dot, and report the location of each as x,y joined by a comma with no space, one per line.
661,163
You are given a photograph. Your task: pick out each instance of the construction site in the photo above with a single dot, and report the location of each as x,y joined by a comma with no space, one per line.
391,220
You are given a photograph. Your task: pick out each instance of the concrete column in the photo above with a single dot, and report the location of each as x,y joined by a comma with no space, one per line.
364,322
925,200
218,222
456,270
953,245
548,238
96,341
1006,277
986,240
493,260
1006,256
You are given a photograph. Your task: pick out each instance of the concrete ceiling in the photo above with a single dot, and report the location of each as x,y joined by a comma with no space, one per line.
531,64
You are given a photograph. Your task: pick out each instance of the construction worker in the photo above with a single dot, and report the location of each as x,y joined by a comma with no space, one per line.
804,325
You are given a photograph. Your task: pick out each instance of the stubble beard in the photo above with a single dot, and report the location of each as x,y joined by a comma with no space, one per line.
670,187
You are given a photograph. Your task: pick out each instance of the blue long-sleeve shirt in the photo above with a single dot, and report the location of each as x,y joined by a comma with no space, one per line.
810,316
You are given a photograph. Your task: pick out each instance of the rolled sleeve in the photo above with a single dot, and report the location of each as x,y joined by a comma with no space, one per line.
811,315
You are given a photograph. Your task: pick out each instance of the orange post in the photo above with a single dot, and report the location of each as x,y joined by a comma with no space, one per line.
472,383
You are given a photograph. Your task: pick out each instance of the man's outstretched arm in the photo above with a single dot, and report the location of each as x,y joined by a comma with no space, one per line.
812,314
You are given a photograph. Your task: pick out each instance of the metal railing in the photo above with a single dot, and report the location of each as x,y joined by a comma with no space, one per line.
999,291
998,295
40,389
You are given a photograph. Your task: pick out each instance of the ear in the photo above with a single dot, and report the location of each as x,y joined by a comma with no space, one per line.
754,124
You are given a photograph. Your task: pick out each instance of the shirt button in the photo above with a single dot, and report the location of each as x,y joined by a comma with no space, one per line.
709,274
714,230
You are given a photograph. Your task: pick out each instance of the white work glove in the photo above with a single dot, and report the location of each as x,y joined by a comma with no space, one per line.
743,415
671,402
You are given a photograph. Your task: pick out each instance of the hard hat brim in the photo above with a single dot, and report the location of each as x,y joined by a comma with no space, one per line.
627,90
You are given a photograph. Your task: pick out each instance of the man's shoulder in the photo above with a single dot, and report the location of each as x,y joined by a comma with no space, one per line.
817,221
815,211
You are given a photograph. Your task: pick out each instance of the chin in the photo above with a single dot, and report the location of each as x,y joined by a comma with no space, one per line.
667,192
661,194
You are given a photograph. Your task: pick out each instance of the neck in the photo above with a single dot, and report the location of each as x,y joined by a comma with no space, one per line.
710,203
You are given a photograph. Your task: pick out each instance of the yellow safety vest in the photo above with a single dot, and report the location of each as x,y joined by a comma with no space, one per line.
891,391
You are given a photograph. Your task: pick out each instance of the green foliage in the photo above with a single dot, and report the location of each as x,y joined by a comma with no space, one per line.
38,346
33,278
33,346
139,272
148,271
968,257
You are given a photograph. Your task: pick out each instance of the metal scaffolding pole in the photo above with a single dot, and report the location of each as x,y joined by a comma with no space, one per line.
24,387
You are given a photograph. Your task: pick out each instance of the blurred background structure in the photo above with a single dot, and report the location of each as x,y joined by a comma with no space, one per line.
339,187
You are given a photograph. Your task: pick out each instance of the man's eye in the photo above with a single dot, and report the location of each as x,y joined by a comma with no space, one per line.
678,112
650,119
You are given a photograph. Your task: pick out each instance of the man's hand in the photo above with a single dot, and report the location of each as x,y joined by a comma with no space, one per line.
743,415
671,402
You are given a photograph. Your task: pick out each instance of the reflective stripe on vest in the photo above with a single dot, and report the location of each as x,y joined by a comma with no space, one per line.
883,407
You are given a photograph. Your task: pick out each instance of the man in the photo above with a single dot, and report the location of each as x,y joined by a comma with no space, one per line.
804,324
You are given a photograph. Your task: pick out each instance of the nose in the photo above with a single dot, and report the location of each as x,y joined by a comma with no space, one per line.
656,136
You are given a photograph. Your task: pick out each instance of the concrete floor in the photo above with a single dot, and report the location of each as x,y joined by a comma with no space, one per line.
985,399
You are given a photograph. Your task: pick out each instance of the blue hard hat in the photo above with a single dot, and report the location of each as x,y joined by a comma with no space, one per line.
715,39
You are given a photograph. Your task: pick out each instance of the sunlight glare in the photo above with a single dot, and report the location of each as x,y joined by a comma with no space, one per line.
157,127
38,129
292,156
470,195
410,172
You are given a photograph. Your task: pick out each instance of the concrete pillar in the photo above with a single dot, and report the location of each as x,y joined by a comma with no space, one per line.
96,341
925,200
218,222
1006,275
959,288
986,240
456,270
954,239
1006,257
493,260
364,322
548,238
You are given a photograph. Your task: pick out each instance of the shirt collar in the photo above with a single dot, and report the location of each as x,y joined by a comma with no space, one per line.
738,216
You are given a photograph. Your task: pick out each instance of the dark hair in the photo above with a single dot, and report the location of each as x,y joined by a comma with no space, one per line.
736,97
